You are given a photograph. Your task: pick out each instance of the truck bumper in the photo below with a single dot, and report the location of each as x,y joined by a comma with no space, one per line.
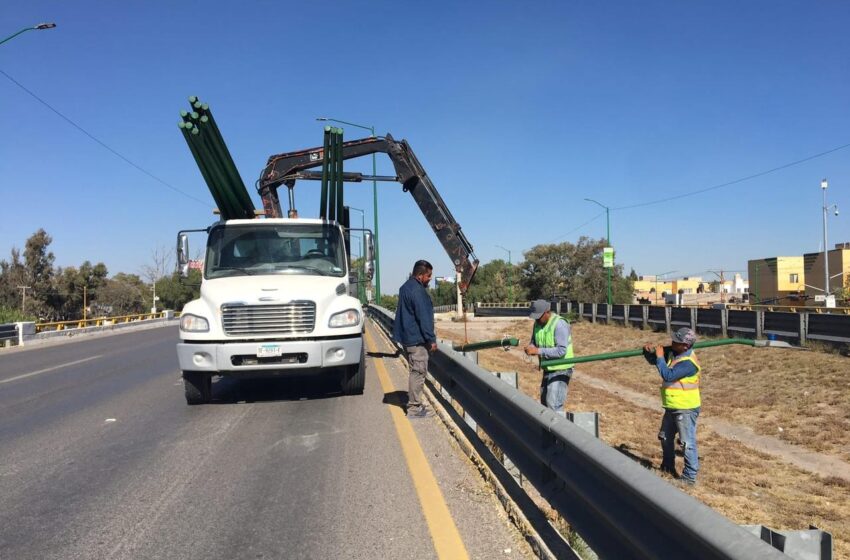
234,357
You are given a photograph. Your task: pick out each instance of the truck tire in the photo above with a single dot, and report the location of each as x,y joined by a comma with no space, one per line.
197,386
354,377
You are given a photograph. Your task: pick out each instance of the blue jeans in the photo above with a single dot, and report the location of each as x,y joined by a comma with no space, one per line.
684,423
554,389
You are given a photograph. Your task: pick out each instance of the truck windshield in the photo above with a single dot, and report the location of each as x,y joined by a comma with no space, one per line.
274,249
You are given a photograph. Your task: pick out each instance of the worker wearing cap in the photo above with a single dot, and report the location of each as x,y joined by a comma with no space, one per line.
680,398
551,339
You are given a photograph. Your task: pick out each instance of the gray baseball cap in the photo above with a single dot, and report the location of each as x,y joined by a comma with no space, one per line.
538,308
685,336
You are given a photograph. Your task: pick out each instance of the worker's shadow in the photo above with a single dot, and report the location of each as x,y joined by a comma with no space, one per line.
395,354
624,449
396,398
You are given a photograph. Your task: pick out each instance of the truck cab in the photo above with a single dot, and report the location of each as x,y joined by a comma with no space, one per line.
274,300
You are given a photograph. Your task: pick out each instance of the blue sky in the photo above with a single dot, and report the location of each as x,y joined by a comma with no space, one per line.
518,111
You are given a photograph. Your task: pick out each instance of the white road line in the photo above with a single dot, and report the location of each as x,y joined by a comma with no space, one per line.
30,374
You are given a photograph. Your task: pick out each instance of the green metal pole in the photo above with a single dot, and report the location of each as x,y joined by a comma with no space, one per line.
484,344
639,352
326,148
340,197
375,239
608,237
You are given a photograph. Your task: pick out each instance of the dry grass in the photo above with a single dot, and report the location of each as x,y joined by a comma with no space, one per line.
804,393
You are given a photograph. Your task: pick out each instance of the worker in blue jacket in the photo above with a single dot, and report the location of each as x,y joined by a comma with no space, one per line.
680,375
413,328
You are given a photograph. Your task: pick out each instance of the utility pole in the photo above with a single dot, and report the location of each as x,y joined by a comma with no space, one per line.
23,290
85,288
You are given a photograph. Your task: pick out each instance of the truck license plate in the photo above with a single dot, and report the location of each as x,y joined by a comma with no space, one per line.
268,350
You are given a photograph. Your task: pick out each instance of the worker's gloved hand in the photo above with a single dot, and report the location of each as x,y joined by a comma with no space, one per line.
531,350
649,353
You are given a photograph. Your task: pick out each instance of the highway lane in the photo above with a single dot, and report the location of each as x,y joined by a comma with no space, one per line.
101,458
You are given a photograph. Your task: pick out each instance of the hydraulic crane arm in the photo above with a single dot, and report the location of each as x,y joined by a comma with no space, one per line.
284,169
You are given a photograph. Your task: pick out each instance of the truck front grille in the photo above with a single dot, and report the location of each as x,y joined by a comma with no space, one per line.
297,317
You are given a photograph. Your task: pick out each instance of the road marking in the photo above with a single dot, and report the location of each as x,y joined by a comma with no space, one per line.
45,370
444,533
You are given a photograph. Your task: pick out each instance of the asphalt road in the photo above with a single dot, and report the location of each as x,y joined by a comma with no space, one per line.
101,458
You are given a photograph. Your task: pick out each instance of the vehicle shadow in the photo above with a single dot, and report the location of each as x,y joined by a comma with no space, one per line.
231,390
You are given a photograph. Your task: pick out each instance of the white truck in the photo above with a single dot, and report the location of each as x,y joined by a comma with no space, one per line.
275,294
274,300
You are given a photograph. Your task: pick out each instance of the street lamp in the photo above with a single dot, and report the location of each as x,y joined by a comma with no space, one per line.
607,240
371,130
826,209
510,283
38,27
656,282
361,288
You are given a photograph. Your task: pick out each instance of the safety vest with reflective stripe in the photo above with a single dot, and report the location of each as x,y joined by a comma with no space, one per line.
683,393
544,337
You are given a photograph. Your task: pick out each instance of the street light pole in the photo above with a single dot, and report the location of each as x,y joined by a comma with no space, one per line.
607,240
371,130
38,27
510,281
823,186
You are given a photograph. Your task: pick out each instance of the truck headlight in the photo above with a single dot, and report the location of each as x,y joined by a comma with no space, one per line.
193,323
347,318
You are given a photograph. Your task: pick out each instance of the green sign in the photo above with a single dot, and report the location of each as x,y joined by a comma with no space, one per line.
608,257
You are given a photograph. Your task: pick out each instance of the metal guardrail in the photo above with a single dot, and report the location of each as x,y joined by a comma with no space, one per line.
619,508
9,332
102,321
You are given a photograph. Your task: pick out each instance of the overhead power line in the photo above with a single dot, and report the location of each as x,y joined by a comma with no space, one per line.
577,227
101,143
736,181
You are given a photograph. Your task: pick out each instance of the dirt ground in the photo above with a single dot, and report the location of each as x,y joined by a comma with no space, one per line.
795,398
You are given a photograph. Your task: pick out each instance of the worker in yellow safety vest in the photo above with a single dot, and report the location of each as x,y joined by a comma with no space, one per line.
679,369
551,339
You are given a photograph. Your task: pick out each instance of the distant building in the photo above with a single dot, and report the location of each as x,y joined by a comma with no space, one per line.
839,270
780,280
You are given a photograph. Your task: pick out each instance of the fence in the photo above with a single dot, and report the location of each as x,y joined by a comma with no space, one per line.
619,508
793,326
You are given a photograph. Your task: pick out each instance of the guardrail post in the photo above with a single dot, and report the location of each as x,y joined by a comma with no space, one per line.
592,312
608,314
645,314
587,421
668,312
759,324
804,327
724,322
569,307
558,307
694,319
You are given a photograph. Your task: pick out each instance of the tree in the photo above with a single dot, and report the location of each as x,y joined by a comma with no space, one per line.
573,271
491,283
124,294
174,292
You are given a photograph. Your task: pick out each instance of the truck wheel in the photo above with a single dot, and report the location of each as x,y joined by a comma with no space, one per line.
354,377
197,386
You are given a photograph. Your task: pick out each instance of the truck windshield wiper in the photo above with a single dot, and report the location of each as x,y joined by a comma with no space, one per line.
235,268
309,268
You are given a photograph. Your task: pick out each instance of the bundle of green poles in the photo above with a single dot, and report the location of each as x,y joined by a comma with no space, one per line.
215,162
331,202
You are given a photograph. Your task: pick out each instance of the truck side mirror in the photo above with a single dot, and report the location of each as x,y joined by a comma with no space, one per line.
369,264
183,254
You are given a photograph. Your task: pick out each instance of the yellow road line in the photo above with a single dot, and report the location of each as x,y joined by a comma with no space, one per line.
444,533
